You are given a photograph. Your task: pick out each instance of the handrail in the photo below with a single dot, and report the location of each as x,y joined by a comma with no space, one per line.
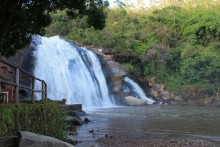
17,85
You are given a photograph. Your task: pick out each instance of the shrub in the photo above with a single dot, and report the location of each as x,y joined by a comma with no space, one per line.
43,118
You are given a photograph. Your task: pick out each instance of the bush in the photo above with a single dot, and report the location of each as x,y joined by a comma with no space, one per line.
43,118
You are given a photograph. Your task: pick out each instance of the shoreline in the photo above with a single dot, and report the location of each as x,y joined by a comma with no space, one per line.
154,140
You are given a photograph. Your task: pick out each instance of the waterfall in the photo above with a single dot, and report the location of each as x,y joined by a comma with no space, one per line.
71,72
136,89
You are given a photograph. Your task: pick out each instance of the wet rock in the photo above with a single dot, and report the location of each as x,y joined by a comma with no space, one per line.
115,83
92,132
113,69
178,98
165,95
77,121
76,113
133,101
74,121
86,120
28,139
114,73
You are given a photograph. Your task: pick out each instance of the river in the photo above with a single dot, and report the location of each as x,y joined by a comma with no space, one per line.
168,120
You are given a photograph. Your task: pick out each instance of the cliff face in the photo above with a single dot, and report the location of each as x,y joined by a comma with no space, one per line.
114,73
22,59
7,72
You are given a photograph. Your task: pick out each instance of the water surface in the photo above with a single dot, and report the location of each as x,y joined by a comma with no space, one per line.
197,122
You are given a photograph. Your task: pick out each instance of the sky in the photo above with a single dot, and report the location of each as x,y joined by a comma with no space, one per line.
112,2
147,2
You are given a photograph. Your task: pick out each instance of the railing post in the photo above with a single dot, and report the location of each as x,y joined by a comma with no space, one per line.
45,90
42,86
33,90
17,85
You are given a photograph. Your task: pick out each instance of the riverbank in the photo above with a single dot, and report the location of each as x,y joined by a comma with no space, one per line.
153,140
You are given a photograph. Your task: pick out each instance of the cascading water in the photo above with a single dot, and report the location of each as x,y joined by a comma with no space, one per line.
136,89
71,72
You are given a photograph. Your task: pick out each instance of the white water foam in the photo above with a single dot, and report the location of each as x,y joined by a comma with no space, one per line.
71,72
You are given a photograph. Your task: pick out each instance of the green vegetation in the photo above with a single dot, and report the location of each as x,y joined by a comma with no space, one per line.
21,19
178,43
44,118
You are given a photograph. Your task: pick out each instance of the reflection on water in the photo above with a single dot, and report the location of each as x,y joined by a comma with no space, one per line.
202,122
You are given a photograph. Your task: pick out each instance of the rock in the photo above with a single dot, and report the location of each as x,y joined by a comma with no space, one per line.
156,87
86,120
165,95
154,93
76,113
108,57
172,102
75,107
151,82
178,98
198,102
133,101
115,83
28,139
74,121
208,101
113,69
162,86
92,132
114,73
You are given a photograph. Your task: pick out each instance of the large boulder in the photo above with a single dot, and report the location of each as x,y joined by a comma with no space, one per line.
114,69
114,73
133,101
28,139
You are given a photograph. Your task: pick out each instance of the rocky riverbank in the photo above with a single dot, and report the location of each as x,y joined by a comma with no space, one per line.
151,140
188,95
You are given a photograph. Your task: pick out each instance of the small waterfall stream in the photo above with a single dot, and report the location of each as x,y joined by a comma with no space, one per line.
136,89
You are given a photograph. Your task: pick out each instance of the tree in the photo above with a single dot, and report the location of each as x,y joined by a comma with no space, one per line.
204,67
20,19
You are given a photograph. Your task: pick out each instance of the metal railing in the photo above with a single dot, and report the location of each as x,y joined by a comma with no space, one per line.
17,85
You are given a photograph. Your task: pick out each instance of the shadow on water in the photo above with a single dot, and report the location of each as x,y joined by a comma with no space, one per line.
171,121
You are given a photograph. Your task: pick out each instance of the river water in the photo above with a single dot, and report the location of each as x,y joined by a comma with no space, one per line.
190,121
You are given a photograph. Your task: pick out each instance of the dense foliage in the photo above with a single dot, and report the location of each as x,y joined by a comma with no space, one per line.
178,44
21,19
46,119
